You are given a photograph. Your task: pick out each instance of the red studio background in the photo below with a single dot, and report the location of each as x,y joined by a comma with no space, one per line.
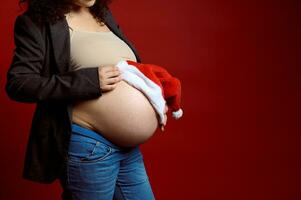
239,63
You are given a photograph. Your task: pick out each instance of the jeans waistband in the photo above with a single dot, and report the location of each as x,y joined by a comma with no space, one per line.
92,134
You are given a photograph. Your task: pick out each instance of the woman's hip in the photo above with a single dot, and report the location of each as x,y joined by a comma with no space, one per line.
86,146
95,165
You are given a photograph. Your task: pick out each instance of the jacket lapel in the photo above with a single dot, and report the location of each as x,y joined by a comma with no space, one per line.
60,39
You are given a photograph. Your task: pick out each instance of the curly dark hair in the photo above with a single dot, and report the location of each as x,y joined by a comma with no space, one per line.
53,10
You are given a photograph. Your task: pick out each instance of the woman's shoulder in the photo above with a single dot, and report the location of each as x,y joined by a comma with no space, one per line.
26,22
27,29
29,18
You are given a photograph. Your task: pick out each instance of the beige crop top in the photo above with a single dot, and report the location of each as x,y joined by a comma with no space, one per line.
92,49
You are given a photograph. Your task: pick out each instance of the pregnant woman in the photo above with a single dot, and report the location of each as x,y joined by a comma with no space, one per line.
88,123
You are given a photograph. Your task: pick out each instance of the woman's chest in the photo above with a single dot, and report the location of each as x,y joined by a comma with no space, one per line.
90,49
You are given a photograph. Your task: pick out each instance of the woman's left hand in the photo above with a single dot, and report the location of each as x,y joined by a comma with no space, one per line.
165,118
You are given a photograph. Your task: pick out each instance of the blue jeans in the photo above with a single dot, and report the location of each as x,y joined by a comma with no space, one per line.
99,170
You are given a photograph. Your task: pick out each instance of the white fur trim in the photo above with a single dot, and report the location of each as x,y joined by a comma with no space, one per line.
152,91
177,114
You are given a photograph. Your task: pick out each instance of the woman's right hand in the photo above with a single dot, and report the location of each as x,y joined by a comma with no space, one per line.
109,76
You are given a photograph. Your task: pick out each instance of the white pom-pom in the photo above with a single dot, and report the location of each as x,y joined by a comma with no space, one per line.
177,114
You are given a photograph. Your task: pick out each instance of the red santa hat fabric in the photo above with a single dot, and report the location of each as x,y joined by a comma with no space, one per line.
156,83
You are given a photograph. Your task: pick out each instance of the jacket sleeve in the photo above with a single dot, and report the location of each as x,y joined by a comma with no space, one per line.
25,82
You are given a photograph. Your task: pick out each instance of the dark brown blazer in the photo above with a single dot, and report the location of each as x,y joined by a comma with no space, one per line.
40,73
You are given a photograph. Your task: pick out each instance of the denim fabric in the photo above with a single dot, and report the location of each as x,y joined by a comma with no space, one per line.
99,170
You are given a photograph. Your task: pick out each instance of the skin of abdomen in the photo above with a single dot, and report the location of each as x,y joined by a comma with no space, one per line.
123,115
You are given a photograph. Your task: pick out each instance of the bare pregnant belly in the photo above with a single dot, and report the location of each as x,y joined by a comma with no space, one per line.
124,115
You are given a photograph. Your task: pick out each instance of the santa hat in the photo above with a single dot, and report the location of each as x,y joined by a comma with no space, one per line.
156,83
